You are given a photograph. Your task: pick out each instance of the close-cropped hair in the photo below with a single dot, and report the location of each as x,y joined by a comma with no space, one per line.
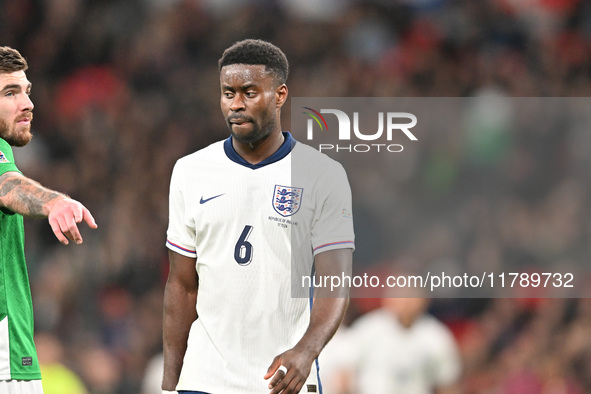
255,52
11,60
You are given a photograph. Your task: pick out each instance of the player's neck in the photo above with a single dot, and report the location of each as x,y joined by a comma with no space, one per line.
258,151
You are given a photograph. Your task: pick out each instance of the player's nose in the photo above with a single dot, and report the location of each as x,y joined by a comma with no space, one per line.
237,103
25,103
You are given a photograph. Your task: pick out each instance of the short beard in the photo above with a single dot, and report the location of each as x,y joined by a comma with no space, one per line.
12,137
255,136
258,133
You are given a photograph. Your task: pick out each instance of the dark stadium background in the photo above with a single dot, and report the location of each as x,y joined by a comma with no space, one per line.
124,88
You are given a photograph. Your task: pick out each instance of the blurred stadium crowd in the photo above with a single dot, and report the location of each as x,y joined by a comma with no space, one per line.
122,89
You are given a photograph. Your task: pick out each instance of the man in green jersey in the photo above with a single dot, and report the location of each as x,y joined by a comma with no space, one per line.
21,196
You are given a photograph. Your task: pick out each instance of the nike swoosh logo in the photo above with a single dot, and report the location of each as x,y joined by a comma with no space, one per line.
203,201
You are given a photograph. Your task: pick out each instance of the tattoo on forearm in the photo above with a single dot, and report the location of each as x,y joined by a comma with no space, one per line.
25,196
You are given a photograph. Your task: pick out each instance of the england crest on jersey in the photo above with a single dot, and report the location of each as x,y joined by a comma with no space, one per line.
287,200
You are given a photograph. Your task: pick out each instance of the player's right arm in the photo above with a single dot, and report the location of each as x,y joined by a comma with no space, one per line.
180,297
27,197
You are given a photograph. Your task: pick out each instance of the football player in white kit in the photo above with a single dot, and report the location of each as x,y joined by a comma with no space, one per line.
247,216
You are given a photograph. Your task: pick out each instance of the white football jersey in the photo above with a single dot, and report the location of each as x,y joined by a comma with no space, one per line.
390,358
253,228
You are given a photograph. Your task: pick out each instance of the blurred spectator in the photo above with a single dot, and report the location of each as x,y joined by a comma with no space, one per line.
101,371
57,378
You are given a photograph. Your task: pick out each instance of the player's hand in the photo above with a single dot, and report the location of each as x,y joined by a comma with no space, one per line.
64,216
298,364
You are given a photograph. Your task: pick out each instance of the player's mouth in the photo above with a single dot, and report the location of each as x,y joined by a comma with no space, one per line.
239,122
239,119
25,120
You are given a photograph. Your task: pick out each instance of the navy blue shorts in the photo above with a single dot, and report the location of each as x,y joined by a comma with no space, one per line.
192,392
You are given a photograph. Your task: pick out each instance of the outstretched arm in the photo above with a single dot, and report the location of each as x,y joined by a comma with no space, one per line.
180,297
327,314
27,197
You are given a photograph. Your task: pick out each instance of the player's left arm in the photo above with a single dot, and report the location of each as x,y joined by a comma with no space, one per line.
327,314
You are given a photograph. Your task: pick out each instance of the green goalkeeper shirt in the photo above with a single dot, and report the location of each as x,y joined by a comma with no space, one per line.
18,358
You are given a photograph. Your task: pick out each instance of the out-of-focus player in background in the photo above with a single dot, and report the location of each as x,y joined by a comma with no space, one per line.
21,196
241,210
400,348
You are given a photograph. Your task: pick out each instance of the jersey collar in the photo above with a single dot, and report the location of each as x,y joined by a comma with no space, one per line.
279,154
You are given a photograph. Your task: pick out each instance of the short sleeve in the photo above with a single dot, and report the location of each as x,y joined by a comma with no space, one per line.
180,236
7,163
333,225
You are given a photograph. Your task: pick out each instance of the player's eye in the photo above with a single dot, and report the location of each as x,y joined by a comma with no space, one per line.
228,94
9,93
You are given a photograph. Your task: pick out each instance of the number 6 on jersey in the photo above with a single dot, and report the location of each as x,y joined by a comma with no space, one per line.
243,248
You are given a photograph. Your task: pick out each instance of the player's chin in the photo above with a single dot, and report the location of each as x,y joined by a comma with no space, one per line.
244,133
21,137
26,134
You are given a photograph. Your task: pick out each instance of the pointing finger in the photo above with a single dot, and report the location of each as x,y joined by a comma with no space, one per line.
88,218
